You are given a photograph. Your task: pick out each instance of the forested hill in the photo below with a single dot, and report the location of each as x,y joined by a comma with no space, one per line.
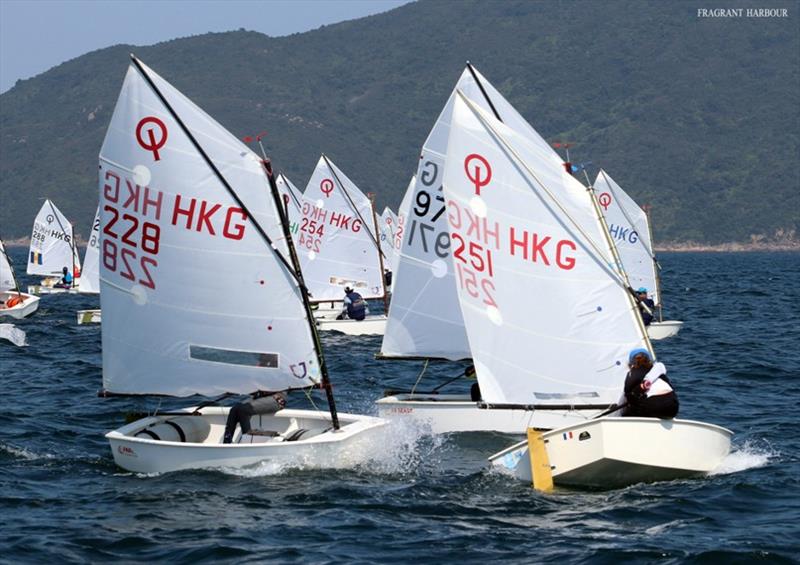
697,116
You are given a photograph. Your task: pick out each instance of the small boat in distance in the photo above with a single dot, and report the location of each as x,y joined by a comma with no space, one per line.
339,248
52,249
630,229
13,302
90,277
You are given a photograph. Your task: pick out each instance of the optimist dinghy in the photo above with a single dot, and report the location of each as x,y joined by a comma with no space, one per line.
338,247
617,452
630,230
13,302
426,320
52,248
201,208
94,316
571,335
90,277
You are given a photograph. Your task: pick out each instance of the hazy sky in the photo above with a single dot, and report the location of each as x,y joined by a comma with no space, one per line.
36,35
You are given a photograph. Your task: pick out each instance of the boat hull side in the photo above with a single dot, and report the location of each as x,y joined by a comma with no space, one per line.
448,413
663,330
328,449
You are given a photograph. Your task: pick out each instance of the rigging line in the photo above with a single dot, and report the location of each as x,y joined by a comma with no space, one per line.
419,378
504,145
216,171
483,90
289,189
312,325
619,278
353,206
625,213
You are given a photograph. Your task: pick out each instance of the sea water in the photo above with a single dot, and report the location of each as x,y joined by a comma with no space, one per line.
413,497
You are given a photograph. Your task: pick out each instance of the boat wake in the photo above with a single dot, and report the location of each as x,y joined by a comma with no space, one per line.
397,449
22,453
748,456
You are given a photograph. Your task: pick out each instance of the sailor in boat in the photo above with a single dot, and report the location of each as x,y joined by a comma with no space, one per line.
641,296
259,403
12,301
66,279
648,391
355,307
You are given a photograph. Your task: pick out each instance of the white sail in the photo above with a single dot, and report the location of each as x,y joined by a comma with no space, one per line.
549,319
628,227
425,319
336,241
52,245
193,299
90,276
6,271
391,238
292,196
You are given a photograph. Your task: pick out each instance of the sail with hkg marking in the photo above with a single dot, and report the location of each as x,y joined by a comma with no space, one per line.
194,300
425,319
52,245
629,229
548,316
336,240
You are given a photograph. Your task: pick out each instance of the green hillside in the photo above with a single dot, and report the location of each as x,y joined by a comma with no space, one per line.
697,116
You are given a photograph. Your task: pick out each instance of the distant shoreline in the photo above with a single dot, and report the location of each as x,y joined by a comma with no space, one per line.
677,247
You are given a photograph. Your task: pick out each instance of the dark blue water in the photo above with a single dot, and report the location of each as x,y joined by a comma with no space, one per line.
736,364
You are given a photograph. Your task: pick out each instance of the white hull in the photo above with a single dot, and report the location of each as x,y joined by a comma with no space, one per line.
371,325
445,413
616,452
40,289
663,330
89,316
327,310
327,448
29,305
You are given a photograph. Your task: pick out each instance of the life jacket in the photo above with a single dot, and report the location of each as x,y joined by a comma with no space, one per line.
13,301
357,308
655,382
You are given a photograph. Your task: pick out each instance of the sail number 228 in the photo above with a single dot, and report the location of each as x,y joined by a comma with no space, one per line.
125,235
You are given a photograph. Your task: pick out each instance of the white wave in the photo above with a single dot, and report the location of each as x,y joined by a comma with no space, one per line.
396,448
22,453
748,456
